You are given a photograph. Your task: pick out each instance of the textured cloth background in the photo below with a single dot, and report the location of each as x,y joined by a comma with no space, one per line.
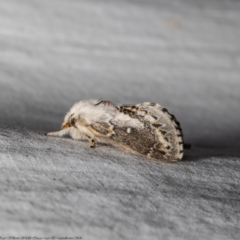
182,54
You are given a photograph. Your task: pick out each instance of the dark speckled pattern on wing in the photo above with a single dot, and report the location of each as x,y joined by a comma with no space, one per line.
156,135
165,130
139,140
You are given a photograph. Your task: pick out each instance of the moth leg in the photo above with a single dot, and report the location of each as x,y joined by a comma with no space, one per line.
85,133
110,132
102,128
93,141
60,133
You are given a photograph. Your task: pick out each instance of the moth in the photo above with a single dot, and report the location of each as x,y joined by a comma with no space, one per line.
145,128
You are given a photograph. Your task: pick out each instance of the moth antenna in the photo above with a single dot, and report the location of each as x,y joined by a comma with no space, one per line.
105,102
98,102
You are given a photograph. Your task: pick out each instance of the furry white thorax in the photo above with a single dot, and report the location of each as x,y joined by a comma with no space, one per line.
90,112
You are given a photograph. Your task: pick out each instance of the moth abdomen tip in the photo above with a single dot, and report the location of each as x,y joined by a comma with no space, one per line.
187,145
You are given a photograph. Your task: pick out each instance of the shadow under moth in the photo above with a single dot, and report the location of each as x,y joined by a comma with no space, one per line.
145,128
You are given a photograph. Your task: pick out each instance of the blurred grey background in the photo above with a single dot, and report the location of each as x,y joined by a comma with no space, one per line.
182,54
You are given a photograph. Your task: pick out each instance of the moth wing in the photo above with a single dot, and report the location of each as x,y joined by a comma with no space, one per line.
128,132
166,132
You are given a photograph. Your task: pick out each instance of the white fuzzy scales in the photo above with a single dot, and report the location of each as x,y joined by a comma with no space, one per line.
145,128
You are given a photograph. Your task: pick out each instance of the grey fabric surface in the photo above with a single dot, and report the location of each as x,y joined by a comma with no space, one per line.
182,54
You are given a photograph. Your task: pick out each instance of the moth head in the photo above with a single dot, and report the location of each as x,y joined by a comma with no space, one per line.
69,121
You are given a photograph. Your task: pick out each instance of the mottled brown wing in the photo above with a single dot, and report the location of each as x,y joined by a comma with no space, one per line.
167,136
140,140
159,136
